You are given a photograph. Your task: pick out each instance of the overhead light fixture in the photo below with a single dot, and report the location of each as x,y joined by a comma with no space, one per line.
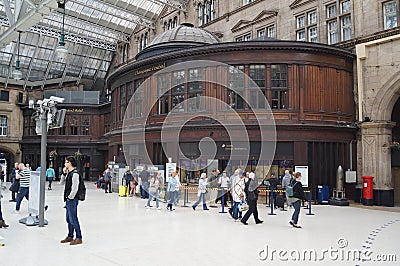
17,74
61,50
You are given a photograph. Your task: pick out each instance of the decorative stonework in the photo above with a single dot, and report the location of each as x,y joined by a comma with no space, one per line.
375,137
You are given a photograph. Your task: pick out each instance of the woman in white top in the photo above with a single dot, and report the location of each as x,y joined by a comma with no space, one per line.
202,192
155,183
223,182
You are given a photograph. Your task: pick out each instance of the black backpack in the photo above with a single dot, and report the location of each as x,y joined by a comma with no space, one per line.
81,194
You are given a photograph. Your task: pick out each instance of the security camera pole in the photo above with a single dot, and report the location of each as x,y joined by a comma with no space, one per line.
48,115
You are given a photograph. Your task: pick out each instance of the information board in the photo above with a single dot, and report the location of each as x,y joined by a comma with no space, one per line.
304,174
34,188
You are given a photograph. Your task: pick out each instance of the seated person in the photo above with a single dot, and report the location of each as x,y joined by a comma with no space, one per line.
100,181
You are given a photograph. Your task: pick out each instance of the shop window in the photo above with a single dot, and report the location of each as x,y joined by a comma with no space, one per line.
236,84
85,125
195,89
73,125
137,98
163,95
178,91
279,87
257,89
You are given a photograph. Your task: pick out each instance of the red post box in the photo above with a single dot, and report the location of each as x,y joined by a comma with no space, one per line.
368,192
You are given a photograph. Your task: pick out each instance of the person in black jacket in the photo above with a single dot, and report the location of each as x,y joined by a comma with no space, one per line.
295,200
71,178
251,193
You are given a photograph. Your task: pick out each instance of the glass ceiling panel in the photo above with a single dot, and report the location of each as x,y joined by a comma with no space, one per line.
27,50
35,75
40,64
92,30
5,59
3,71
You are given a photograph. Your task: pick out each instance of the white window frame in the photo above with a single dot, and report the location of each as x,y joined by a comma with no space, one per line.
345,6
301,35
3,125
346,29
300,21
313,34
331,11
261,32
312,17
388,16
333,32
247,37
305,24
271,32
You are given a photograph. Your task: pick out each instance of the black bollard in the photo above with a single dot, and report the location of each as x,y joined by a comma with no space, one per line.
309,204
223,200
271,202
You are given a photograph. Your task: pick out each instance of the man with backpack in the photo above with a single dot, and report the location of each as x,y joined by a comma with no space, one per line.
73,191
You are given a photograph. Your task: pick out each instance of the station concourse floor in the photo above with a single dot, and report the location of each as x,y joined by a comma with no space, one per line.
121,231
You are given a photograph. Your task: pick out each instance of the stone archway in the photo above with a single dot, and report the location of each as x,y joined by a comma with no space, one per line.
395,153
376,136
10,157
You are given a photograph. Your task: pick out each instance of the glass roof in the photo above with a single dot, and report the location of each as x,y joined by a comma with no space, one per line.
92,30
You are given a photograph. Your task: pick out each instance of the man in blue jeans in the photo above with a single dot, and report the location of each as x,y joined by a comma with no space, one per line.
71,178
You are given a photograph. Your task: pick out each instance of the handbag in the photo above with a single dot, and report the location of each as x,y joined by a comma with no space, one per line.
14,186
243,206
152,190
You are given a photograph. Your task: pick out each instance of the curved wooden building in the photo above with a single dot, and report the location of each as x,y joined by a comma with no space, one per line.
308,87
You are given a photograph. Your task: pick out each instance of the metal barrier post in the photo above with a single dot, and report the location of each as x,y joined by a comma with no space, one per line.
309,204
223,200
185,195
284,195
271,201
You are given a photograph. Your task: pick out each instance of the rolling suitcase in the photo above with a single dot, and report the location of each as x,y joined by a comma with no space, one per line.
280,201
123,191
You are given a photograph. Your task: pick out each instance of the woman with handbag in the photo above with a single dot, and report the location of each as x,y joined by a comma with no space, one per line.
239,196
296,198
155,183
252,196
202,192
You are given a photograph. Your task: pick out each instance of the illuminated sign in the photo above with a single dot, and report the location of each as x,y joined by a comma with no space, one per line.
150,69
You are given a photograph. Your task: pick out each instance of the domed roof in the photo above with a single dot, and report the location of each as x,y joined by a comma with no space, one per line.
186,33
183,36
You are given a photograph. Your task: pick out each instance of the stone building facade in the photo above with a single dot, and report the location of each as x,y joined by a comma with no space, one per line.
11,124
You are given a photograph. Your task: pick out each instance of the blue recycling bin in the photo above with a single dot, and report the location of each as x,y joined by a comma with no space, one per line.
323,194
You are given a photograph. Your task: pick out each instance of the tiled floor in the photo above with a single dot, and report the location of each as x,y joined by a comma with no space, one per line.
121,231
